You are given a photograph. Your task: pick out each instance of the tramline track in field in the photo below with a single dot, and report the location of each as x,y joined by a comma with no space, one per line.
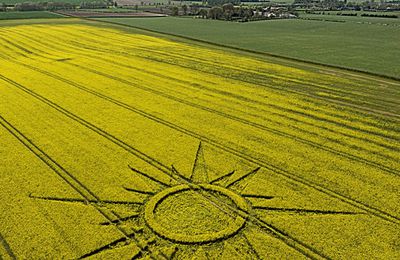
281,235
281,133
347,155
81,188
88,196
372,210
206,62
178,80
225,115
297,128
6,246
264,104
262,75
326,69
75,47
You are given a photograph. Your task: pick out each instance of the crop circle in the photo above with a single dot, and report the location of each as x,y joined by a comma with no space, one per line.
183,213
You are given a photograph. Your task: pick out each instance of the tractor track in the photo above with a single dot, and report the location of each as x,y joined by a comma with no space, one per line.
237,119
288,175
274,107
225,115
218,92
296,244
68,178
213,64
88,195
7,247
341,102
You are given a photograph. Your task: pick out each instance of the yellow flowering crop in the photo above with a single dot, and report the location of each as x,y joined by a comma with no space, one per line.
117,144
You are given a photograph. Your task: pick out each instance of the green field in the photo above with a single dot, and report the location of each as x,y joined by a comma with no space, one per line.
356,19
347,44
28,15
9,2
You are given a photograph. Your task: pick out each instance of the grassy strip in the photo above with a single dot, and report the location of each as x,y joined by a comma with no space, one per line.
28,15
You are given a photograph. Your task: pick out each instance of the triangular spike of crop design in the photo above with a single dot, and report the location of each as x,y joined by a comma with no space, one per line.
240,184
149,177
199,172
177,174
222,179
258,196
121,241
251,247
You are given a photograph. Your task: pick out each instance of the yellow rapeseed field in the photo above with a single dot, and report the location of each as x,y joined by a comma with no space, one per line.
119,144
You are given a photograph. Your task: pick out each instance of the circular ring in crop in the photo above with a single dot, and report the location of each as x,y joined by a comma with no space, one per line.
180,236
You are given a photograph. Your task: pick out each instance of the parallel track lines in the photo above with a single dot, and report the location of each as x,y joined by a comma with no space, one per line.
223,114
288,175
70,179
88,195
218,92
249,123
265,104
299,129
286,238
266,75
278,108
213,63
58,44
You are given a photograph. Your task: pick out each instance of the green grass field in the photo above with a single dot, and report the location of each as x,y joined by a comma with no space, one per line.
347,44
38,1
356,19
28,15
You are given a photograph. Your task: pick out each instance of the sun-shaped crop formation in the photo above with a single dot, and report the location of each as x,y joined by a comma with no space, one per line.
198,217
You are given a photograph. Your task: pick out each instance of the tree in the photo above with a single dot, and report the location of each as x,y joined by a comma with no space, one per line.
203,13
184,9
240,11
175,11
215,12
222,2
248,13
228,10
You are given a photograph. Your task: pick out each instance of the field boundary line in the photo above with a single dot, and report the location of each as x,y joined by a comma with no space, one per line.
294,80
373,111
394,116
394,78
374,211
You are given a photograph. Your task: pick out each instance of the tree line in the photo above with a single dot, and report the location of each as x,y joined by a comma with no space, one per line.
54,6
